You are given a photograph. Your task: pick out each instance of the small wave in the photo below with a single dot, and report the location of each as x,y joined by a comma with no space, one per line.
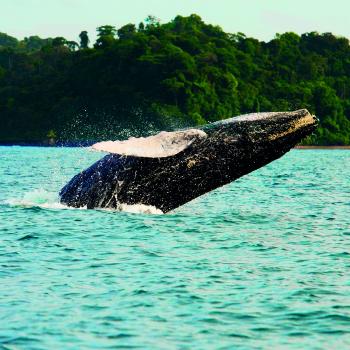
37,198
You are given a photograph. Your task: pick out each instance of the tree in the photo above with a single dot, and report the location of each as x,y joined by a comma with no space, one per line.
7,41
106,30
152,21
105,36
127,31
59,41
34,43
184,72
72,45
141,27
84,39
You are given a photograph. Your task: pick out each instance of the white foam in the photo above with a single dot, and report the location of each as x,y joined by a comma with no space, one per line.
49,200
139,209
164,144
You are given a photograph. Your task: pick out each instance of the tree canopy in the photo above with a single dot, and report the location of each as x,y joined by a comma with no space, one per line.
183,73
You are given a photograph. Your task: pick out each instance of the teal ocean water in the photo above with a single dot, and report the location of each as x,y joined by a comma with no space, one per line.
263,263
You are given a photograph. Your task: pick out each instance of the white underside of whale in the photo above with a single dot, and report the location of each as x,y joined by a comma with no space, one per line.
164,144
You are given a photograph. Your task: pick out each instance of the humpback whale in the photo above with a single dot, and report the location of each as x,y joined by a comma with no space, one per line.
170,169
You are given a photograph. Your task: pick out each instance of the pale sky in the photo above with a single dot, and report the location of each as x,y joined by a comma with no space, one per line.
261,19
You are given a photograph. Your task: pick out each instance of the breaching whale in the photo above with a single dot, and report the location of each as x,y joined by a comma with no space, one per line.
170,169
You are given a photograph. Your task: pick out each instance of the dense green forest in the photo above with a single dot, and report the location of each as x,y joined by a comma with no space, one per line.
138,79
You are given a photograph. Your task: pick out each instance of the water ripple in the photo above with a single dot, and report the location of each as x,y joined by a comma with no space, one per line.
260,264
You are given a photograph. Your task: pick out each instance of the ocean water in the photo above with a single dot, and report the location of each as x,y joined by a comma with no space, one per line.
263,263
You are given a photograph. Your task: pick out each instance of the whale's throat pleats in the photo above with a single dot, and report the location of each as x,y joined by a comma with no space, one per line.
164,144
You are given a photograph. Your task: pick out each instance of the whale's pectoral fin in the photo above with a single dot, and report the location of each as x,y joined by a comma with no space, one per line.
164,144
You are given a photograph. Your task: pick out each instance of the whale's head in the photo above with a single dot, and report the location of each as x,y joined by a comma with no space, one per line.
239,145
271,130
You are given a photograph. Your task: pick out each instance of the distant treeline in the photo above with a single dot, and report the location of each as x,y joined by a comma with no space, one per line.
139,79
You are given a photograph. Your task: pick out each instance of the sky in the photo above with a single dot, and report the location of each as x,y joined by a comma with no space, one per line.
261,19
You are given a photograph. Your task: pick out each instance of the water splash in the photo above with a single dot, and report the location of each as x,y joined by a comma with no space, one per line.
41,198
37,198
139,209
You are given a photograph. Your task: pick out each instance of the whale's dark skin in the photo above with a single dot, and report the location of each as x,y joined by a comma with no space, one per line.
232,148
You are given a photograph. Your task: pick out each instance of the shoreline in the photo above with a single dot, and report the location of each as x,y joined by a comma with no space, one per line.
47,144
90,143
323,147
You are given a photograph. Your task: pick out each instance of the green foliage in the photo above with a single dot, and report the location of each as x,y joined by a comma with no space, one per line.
7,41
51,134
84,39
177,74
127,31
34,43
141,27
59,41
152,21
105,36
72,45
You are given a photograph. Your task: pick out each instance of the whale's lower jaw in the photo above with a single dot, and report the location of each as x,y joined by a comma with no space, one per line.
231,149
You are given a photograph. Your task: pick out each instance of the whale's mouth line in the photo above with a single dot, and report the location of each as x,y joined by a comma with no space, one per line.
308,120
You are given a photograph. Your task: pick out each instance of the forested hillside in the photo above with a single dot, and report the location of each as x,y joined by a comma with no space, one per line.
152,76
